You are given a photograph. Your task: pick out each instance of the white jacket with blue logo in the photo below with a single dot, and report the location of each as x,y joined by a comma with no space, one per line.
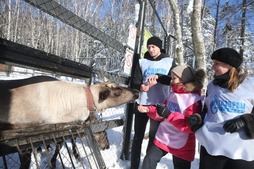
224,105
159,92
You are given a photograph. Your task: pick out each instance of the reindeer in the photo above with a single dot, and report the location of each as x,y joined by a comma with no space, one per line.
42,100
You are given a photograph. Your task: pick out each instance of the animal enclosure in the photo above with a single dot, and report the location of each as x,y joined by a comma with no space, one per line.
71,46
30,142
53,146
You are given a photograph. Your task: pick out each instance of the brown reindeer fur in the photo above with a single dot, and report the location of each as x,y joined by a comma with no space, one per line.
45,100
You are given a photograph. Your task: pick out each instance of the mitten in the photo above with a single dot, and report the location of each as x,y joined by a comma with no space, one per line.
194,120
162,111
234,125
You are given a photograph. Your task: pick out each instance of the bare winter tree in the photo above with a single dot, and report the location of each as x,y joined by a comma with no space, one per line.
17,21
197,37
243,27
9,21
178,32
216,23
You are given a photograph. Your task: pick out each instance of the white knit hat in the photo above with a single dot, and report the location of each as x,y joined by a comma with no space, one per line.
184,72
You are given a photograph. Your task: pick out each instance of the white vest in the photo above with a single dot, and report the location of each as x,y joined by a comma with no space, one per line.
159,92
167,133
224,105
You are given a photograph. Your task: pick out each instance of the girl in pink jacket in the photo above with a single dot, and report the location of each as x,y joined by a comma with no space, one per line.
174,134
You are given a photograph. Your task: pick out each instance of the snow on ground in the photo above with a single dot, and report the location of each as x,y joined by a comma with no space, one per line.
111,156
115,136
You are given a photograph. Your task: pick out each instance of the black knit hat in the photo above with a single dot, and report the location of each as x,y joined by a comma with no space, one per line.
228,56
154,41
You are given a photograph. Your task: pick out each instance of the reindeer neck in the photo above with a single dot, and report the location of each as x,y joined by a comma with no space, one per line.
90,103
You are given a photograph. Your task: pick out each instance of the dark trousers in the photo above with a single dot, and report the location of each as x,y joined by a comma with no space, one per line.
208,161
140,123
154,156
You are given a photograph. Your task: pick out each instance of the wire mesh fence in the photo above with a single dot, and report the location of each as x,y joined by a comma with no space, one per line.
61,146
90,37
55,146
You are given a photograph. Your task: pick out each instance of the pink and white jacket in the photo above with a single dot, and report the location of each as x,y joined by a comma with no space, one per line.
174,134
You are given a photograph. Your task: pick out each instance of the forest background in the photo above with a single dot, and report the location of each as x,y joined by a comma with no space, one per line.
198,27
195,29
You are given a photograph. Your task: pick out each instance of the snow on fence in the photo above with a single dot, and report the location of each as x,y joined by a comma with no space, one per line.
64,145
96,144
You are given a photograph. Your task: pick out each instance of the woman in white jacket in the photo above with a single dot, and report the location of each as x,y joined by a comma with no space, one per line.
227,132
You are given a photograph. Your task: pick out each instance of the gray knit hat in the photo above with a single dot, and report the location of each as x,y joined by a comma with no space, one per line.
184,72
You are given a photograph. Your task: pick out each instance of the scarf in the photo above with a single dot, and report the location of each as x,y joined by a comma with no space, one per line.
221,80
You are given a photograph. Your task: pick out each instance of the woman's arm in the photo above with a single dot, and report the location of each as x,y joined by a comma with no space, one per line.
249,120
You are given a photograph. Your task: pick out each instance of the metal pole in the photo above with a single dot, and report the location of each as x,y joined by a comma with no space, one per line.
152,3
136,56
166,43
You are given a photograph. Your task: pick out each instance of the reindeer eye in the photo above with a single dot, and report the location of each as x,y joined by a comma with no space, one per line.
118,92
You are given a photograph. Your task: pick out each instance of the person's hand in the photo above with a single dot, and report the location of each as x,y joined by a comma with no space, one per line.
194,120
162,111
234,125
152,80
143,109
144,88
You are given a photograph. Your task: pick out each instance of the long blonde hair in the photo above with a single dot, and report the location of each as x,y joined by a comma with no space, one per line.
235,78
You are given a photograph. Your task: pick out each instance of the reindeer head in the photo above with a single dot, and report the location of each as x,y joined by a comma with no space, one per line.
110,94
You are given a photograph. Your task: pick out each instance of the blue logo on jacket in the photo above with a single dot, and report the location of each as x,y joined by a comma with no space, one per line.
173,107
226,106
152,71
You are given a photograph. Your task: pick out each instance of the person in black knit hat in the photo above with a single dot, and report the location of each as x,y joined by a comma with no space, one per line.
155,62
229,56
225,128
155,41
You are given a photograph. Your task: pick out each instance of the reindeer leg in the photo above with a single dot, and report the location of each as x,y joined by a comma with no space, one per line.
39,150
74,149
25,159
102,140
57,150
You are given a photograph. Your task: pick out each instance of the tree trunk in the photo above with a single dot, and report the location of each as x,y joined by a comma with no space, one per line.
197,37
216,25
243,22
17,22
9,21
178,31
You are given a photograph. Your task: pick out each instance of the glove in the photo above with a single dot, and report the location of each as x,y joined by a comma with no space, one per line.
234,125
194,120
162,111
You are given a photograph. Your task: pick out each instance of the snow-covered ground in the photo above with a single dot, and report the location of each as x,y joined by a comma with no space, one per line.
111,156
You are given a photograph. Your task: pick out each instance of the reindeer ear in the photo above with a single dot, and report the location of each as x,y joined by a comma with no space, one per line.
103,95
105,79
